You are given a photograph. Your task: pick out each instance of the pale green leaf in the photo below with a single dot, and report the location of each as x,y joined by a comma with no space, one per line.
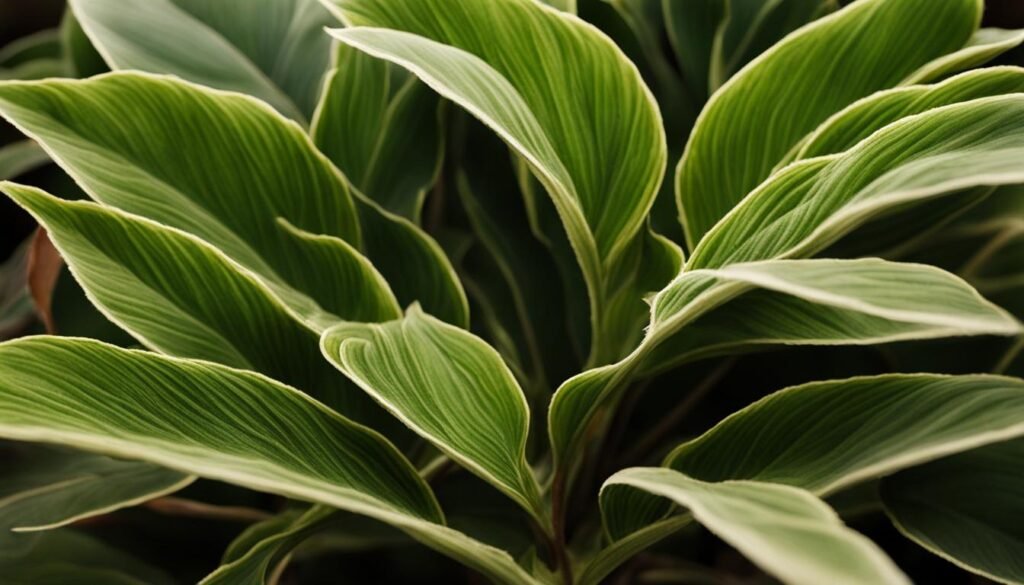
373,118
236,169
601,161
271,49
763,111
864,117
807,205
822,301
49,488
276,539
222,424
20,157
965,508
786,531
985,45
448,386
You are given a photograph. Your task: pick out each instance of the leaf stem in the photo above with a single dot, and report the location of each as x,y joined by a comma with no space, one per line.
558,527
173,506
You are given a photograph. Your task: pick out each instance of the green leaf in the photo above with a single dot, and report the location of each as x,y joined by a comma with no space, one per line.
20,157
49,488
965,508
821,301
812,203
825,436
277,537
372,118
985,45
179,295
786,531
81,57
692,26
44,44
863,118
448,386
763,111
517,66
237,168
271,49
222,424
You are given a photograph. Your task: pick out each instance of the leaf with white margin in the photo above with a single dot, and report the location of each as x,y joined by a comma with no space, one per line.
274,50
224,424
601,161
786,531
765,109
373,118
448,386
965,508
46,488
864,117
236,169
985,45
812,203
830,302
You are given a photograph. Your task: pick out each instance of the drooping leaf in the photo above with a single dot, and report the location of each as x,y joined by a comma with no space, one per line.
985,45
281,534
601,160
222,424
179,295
46,488
812,203
448,386
238,168
823,301
763,111
786,531
864,117
269,49
374,118
965,508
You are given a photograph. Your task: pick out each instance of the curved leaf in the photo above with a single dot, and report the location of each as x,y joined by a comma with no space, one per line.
812,203
965,508
67,557
448,386
985,45
237,168
20,157
49,488
786,531
763,111
864,117
372,119
222,424
271,49
792,302
601,161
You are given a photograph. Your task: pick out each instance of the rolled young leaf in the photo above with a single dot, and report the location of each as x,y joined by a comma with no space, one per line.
965,508
269,49
758,116
223,424
786,531
110,134
450,387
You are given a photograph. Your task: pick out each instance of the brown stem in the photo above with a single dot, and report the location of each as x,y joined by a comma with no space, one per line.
173,506
670,421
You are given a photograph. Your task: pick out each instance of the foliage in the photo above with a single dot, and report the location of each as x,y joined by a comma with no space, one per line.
414,268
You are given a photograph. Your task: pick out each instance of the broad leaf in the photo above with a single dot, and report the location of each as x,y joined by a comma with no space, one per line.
864,117
448,386
787,302
274,541
967,146
786,531
985,45
237,169
48,488
374,118
762,112
222,424
271,49
965,508
517,67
